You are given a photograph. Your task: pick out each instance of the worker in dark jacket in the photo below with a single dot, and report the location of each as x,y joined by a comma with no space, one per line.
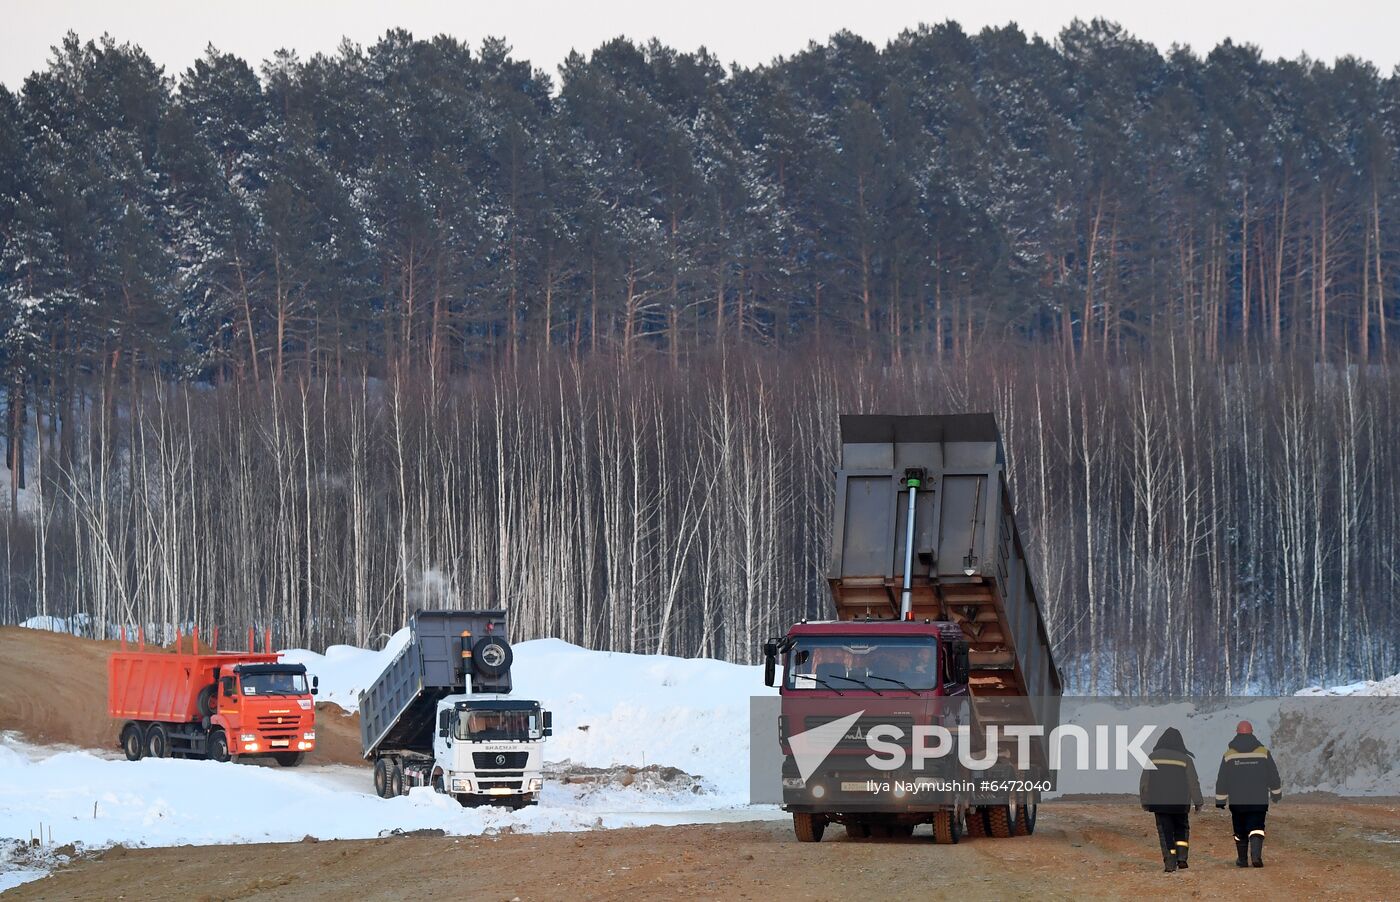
1248,781
1169,790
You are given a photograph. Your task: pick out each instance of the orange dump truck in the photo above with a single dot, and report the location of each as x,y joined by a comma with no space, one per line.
220,705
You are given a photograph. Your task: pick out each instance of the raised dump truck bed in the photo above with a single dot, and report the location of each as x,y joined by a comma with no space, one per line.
448,652
967,563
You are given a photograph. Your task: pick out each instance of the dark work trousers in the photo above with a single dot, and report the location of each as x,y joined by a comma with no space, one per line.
1247,820
1174,832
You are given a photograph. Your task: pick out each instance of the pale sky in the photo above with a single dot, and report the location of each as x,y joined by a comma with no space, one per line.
748,32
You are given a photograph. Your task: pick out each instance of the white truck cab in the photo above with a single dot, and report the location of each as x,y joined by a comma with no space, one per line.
489,749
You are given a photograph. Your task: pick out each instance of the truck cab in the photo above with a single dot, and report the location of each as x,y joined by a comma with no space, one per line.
489,749
265,709
900,673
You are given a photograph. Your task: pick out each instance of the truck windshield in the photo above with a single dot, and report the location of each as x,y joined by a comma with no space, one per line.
491,724
855,663
273,683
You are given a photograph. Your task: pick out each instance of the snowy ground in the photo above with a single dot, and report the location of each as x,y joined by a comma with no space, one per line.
609,709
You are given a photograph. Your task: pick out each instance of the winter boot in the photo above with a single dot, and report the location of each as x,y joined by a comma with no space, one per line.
1256,848
1182,847
1241,853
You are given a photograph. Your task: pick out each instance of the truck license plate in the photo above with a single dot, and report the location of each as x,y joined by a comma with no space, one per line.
280,743
862,786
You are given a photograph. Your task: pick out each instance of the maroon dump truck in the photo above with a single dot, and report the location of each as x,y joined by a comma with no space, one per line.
937,625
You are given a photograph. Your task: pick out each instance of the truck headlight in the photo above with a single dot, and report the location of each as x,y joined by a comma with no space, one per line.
536,784
461,785
793,783
818,791
247,737
309,735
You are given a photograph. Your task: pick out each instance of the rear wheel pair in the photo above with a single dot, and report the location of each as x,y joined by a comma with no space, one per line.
388,779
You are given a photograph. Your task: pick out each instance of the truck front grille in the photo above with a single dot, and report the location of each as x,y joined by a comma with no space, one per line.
499,760
269,726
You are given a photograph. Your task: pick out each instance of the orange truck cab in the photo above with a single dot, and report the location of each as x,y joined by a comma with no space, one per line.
216,705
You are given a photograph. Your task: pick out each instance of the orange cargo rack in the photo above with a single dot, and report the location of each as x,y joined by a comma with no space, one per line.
165,686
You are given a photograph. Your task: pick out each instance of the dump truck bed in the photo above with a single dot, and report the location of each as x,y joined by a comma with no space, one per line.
968,563
157,685
397,711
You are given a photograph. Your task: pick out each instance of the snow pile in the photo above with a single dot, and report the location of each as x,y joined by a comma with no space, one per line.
1388,686
344,670
85,799
609,708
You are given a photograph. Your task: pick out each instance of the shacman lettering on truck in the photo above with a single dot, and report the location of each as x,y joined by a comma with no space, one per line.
938,628
441,715
222,705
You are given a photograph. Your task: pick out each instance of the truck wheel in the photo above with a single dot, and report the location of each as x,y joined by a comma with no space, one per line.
945,828
218,746
808,827
396,781
1025,820
205,701
999,820
131,742
157,741
976,822
492,656
381,778
289,759
858,830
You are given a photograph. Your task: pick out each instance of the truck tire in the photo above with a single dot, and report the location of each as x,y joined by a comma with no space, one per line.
381,778
857,830
217,748
133,743
289,759
1024,825
396,781
808,827
206,701
999,820
976,822
157,741
945,828
491,656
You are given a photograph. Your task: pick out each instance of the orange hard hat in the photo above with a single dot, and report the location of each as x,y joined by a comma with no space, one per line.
1244,726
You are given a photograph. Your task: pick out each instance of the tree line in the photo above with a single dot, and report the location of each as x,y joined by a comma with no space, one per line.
1192,526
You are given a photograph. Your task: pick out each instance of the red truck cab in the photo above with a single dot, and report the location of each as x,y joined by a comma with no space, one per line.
892,673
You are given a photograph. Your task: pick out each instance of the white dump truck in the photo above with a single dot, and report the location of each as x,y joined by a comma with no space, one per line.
441,715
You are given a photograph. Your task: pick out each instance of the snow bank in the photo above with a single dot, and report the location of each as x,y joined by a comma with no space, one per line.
1387,686
80,797
345,671
609,708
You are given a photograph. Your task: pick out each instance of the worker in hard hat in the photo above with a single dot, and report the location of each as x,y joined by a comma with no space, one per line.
1169,789
1248,781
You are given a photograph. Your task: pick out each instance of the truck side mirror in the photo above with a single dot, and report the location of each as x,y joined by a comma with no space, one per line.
315,685
230,689
445,724
548,722
770,662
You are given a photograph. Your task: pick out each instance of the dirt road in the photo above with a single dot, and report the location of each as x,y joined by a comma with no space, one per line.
1080,850
72,706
